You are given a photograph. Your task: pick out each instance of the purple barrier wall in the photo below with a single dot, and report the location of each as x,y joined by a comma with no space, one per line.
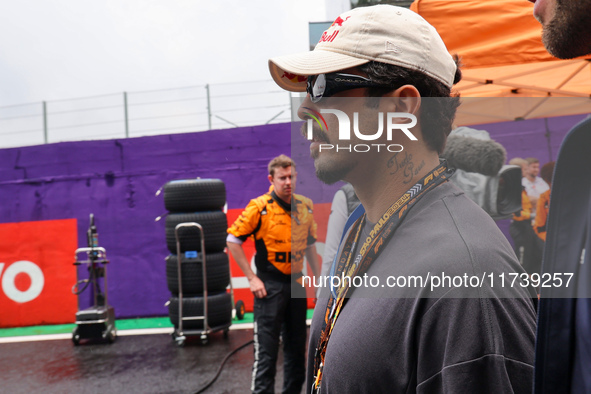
117,180
538,138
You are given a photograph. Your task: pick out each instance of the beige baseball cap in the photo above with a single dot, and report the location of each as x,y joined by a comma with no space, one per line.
381,33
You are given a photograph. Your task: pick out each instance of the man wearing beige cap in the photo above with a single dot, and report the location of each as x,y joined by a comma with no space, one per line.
414,302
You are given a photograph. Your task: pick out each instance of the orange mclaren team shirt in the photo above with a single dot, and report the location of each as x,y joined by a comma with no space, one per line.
526,208
280,236
542,215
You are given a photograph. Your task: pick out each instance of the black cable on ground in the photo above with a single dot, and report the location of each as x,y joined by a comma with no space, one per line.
201,390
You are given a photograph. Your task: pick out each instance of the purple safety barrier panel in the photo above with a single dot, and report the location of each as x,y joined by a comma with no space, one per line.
117,181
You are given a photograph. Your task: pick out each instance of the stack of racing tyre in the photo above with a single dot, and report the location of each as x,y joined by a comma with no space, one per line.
198,201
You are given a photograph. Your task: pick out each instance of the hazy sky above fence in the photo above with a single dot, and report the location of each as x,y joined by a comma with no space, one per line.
62,49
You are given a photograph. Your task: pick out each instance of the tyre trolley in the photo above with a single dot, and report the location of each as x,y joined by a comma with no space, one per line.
97,321
180,334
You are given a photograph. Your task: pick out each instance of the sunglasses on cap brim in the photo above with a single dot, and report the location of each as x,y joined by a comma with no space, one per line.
327,85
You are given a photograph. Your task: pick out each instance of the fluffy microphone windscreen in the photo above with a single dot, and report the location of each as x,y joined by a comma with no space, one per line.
474,155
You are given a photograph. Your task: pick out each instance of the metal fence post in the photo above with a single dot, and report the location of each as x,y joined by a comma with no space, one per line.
45,137
126,116
208,107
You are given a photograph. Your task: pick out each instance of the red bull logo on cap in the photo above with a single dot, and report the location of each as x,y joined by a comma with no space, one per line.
339,21
326,37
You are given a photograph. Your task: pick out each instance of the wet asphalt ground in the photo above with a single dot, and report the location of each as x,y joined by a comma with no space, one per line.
133,364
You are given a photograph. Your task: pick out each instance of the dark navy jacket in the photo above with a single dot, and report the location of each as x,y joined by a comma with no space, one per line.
563,345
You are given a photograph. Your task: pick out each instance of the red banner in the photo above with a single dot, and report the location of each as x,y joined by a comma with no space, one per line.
37,273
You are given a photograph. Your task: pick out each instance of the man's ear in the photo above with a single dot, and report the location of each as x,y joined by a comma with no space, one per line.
406,99
270,178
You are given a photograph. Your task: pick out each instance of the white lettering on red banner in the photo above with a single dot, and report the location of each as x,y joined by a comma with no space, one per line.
9,277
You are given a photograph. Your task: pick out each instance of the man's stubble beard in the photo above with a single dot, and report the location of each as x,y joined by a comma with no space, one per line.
329,171
568,34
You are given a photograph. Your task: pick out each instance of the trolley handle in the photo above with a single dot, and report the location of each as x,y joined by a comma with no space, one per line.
101,256
180,281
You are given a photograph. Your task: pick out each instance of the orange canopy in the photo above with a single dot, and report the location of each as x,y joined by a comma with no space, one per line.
502,55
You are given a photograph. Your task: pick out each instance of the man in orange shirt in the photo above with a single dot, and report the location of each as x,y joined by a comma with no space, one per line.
534,185
283,227
526,245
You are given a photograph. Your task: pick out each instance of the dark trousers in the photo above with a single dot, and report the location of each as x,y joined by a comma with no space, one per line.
279,314
527,245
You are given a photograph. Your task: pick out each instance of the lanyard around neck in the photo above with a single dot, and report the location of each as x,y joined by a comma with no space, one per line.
369,249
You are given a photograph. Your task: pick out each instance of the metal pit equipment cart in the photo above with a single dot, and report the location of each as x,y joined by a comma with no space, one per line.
96,322
180,334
